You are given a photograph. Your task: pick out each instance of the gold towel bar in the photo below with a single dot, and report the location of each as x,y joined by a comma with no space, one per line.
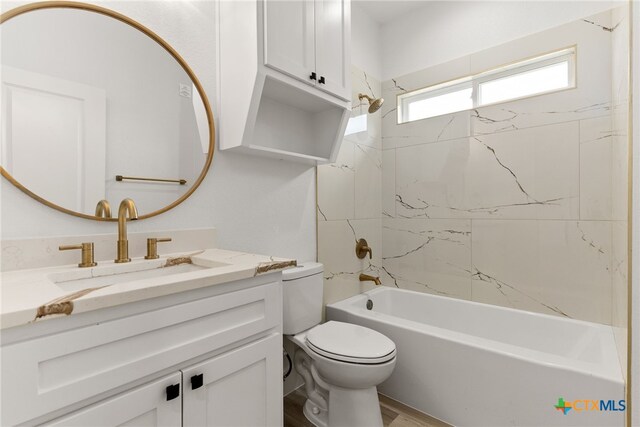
133,178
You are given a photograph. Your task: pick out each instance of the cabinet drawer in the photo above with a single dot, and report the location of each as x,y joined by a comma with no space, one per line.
52,372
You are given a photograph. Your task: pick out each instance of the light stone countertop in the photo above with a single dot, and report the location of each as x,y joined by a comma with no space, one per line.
38,294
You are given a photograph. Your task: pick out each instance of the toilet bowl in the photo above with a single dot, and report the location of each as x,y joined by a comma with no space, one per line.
341,363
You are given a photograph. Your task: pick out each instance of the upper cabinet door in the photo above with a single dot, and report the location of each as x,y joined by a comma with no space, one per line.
289,37
333,41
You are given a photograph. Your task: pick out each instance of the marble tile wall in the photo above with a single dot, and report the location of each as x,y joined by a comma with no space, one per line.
350,201
521,204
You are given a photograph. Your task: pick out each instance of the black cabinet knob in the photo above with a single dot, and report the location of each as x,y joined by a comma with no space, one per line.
321,81
313,76
196,381
173,391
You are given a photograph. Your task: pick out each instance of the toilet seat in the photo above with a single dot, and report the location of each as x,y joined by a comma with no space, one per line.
350,343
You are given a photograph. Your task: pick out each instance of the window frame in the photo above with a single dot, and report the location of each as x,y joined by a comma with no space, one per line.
566,54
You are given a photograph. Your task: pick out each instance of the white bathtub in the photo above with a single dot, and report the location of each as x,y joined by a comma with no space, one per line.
472,364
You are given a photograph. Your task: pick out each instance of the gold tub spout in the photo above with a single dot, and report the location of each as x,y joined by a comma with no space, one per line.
367,278
127,208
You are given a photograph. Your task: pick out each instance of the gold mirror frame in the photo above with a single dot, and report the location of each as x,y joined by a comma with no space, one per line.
125,19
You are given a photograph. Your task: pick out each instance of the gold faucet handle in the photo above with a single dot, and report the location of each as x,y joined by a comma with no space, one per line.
87,253
152,246
362,248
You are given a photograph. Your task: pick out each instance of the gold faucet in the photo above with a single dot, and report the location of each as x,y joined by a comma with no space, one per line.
87,253
362,248
103,209
367,278
127,207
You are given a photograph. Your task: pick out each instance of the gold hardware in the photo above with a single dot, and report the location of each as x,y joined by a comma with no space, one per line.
87,253
362,248
125,19
366,278
127,207
103,209
374,103
134,178
152,246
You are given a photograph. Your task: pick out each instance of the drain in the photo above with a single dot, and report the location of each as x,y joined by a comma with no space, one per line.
369,304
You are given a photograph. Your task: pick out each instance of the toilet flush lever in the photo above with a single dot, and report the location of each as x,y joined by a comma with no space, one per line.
362,248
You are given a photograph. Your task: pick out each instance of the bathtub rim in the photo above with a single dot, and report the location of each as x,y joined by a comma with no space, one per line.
609,369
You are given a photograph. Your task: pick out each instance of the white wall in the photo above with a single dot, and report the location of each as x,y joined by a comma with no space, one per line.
365,42
445,30
258,205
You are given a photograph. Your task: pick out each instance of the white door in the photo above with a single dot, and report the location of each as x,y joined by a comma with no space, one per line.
289,37
240,388
333,41
53,138
153,404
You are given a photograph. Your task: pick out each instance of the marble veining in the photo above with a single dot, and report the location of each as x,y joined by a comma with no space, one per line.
265,267
62,305
24,290
609,29
350,200
518,204
503,288
529,189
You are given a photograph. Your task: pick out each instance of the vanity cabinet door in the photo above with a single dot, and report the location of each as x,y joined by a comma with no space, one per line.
242,387
333,41
289,38
154,404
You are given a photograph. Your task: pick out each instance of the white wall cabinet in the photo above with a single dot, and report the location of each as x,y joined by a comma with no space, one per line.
289,34
134,364
333,41
310,41
285,71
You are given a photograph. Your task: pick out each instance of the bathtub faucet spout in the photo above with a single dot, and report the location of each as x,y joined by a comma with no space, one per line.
367,278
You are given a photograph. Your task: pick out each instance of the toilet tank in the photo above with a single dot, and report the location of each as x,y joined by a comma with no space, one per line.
302,289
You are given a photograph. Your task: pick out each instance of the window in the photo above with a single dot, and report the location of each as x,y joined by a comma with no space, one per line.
543,74
356,124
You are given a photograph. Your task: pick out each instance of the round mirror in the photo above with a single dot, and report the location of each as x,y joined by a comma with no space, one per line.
95,108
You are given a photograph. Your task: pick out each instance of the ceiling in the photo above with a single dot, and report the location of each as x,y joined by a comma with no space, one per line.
384,11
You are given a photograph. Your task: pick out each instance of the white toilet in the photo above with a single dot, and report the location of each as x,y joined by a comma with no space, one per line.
341,363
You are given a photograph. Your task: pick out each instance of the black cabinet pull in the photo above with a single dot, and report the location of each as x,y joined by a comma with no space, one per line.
196,381
321,81
173,391
313,76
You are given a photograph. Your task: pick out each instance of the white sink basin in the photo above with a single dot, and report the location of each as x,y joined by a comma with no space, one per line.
79,279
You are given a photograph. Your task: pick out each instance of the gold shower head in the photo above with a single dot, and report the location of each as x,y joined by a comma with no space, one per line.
374,103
